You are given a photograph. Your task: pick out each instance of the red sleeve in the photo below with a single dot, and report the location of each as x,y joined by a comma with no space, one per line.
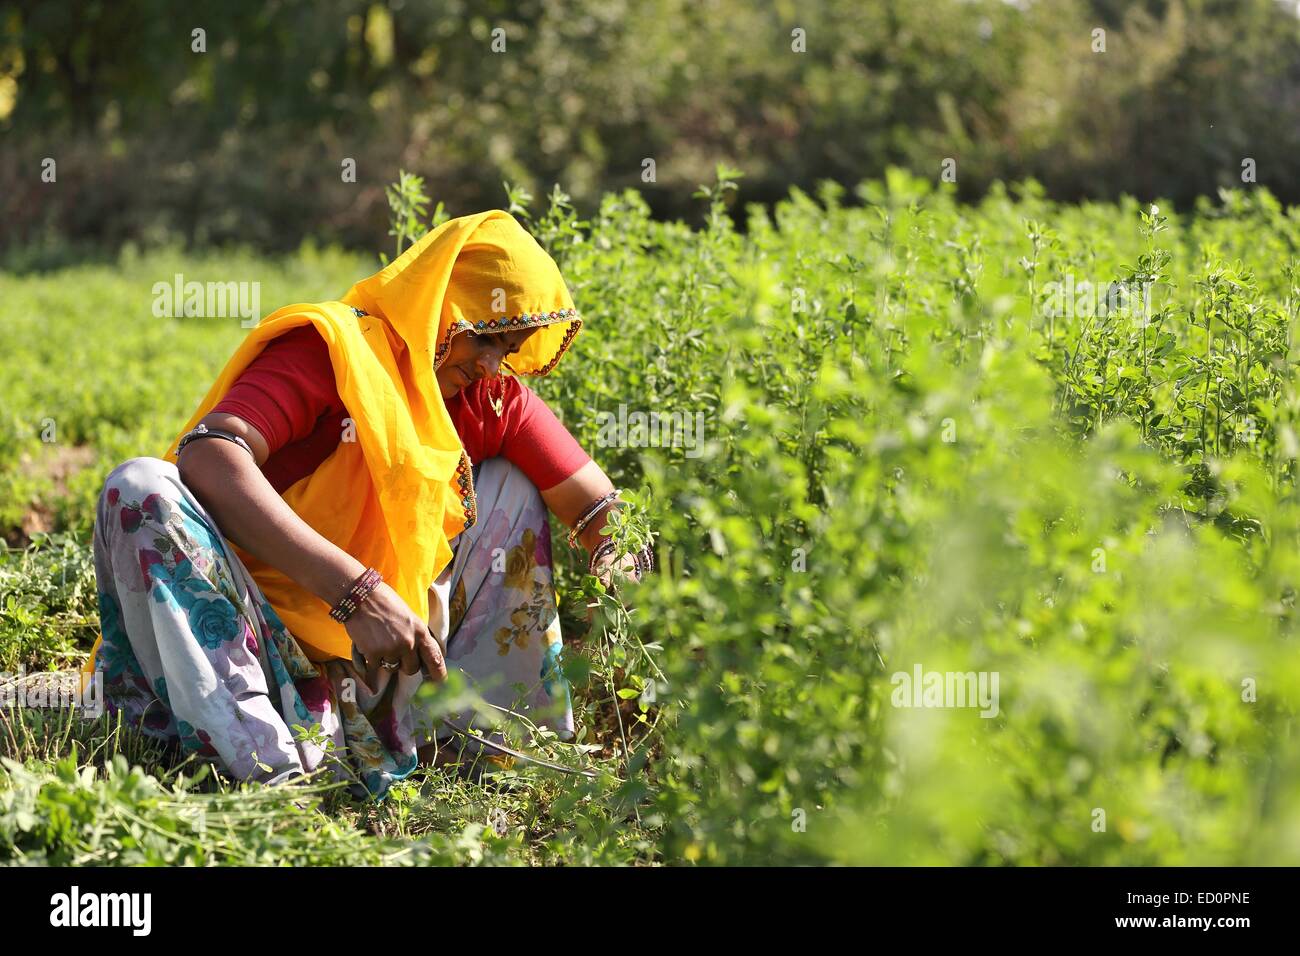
286,389
526,433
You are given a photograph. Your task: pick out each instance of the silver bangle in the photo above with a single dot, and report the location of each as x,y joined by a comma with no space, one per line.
203,431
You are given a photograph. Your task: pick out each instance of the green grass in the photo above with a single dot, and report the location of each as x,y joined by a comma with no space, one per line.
910,457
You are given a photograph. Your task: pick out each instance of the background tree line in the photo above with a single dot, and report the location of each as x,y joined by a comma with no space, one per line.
245,142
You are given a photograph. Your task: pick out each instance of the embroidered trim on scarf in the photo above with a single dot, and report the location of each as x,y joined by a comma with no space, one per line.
465,479
574,326
520,321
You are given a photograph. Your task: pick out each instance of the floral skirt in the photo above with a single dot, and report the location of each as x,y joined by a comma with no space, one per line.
193,653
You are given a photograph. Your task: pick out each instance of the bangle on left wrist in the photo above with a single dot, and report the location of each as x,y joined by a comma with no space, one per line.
590,516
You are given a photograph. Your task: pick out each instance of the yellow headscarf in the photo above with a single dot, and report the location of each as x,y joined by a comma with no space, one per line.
395,496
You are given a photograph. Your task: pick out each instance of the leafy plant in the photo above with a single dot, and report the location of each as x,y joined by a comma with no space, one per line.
902,459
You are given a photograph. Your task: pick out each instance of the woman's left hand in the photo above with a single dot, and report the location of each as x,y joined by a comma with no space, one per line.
607,567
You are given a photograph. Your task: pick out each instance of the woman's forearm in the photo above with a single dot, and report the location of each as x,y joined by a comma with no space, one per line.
570,499
249,512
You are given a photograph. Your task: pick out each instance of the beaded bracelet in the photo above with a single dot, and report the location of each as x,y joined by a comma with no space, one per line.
581,524
360,590
643,559
602,549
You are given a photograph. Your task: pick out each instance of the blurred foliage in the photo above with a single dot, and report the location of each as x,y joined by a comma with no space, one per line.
246,142
910,460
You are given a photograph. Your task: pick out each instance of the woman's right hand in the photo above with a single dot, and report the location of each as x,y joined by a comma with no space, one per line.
384,627
232,487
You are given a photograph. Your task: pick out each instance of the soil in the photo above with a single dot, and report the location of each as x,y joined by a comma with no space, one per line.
53,467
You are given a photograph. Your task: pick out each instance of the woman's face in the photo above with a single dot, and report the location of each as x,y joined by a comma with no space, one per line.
475,355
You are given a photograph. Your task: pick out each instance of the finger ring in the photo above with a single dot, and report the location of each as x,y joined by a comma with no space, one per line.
389,665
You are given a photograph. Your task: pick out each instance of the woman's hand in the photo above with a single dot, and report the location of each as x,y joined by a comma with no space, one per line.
608,566
384,628
231,486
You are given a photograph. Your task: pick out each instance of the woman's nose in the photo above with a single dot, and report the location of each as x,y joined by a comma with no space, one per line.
489,361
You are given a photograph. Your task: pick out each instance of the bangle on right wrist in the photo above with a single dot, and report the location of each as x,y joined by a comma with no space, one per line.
360,590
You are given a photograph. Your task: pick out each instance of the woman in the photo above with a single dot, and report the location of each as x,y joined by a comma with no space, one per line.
385,491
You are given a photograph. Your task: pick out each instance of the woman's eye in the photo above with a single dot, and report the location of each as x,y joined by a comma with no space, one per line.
486,338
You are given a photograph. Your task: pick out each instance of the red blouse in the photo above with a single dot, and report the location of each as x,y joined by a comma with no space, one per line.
287,393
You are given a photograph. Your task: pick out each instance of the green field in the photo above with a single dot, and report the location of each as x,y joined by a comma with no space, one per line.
1051,445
